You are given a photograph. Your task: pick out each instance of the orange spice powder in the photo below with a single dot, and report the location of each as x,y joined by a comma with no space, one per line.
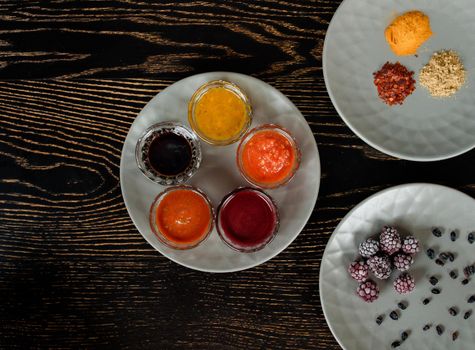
408,32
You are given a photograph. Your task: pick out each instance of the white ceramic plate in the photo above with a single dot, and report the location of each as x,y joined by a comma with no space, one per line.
423,128
414,208
219,175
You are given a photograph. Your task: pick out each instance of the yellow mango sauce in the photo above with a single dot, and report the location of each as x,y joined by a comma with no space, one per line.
220,114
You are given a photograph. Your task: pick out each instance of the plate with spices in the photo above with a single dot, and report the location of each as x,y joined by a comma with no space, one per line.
220,172
401,75
399,270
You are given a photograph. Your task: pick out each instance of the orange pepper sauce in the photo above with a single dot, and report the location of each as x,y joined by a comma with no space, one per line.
183,216
268,157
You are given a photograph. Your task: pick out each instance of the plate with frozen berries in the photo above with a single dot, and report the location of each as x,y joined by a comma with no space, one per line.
399,271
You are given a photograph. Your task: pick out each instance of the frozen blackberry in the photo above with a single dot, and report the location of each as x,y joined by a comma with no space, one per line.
465,281
426,327
389,240
453,236
430,253
368,248
451,256
380,266
358,270
433,280
394,315
426,301
453,311
435,291
404,283
439,262
410,245
453,274
440,329
471,237
396,344
437,232
402,261
467,314
368,291
471,299
379,319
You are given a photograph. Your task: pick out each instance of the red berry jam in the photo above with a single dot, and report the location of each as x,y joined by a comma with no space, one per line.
247,219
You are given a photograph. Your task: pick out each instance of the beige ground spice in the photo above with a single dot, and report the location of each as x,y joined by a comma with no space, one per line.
444,75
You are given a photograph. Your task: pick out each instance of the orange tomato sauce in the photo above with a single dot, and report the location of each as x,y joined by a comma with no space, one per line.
183,216
268,157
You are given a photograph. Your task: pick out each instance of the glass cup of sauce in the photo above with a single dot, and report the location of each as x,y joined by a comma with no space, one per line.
168,153
181,217
219,112
268,156
247,219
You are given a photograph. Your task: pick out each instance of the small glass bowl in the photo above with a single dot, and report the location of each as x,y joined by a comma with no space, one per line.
201,92
282,131
162,238
221,232
143,145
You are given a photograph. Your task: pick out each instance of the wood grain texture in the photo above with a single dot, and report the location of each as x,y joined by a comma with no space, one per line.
71,39
74,271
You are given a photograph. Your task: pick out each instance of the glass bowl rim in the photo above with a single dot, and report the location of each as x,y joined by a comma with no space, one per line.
282,131
269,201
156,230
201,91
155,176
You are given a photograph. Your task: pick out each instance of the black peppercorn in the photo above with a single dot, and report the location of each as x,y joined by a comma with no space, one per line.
453,236
437,232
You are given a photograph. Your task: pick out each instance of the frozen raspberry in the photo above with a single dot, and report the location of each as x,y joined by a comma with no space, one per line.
389,240
410,245
369,248
380,266
404,283
368,291
402,261
358,270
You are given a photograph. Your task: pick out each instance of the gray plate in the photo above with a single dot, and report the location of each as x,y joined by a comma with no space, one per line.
218,173
415,209
423,128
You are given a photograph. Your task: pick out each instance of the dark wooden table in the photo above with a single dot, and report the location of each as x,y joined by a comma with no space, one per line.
74,271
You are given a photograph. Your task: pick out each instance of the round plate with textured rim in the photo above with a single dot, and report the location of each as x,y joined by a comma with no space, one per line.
414,208
423,128
219,175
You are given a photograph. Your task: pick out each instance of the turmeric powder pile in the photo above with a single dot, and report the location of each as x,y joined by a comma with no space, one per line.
408,32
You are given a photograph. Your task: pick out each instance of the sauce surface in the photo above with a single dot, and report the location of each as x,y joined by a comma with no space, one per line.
183,216
268,157
248,219
220,114
169,154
